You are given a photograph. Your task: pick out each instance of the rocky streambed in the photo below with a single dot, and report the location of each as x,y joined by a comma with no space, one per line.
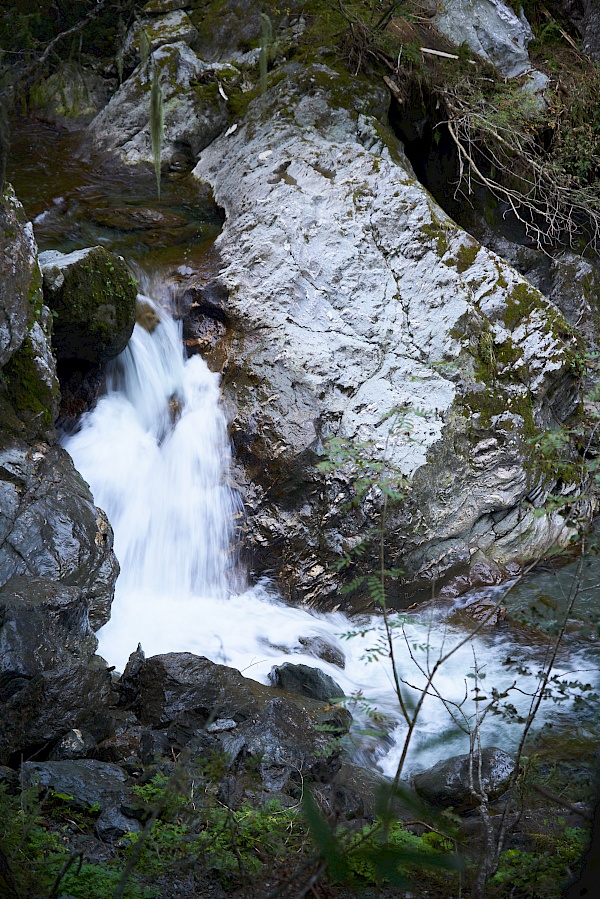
338,301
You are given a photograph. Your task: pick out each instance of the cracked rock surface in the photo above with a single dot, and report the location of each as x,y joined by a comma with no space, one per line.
356,303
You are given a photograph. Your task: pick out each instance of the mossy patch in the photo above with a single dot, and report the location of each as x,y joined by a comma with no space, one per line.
94,307
437,233
466,257
28,394
519,303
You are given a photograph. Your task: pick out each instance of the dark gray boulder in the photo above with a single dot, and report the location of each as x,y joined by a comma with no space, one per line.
76,744
41,711
50,527
92,294
112,825
174,683
87,781
289,748
306,681
447,783
43,625
323,649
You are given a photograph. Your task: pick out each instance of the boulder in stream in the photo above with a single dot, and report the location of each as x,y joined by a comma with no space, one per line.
92,294
447,783
307,681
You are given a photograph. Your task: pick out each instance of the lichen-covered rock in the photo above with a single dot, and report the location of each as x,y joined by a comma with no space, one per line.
194,112
449,782
50,527
360,310
71,95
159,7
93,295
491,29
43,625
31,384
170,28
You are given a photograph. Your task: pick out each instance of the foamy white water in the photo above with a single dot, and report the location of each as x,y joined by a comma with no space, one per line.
156,454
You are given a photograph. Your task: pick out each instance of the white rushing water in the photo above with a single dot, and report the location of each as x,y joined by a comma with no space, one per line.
156,454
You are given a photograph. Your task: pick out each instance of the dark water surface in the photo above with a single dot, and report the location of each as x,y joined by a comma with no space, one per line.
78,197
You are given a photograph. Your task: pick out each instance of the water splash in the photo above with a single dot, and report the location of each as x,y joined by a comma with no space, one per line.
156,454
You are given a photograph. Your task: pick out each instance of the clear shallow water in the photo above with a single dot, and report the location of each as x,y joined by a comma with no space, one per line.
156,454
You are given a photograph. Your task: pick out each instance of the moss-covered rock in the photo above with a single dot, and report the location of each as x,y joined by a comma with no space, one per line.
30,383
92,295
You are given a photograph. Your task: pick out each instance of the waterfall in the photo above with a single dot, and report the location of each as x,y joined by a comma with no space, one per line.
156,454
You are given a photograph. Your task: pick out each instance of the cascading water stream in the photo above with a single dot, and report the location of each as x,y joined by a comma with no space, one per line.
156,454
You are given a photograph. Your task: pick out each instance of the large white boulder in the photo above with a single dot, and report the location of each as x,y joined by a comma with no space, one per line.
491,29
352,294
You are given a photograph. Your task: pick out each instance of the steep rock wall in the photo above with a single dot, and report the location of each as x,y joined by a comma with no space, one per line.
49,525
351,295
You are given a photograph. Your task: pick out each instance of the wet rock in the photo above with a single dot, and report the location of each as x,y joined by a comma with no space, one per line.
285,741
174,683
88,782
323,649
192,732
447,783
113,824
324,345
93,295
20,283
49,526
311,682
120,747
53,703
146,317
80,386
76,744
154,744
128,685
136,218
43,625
491,29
